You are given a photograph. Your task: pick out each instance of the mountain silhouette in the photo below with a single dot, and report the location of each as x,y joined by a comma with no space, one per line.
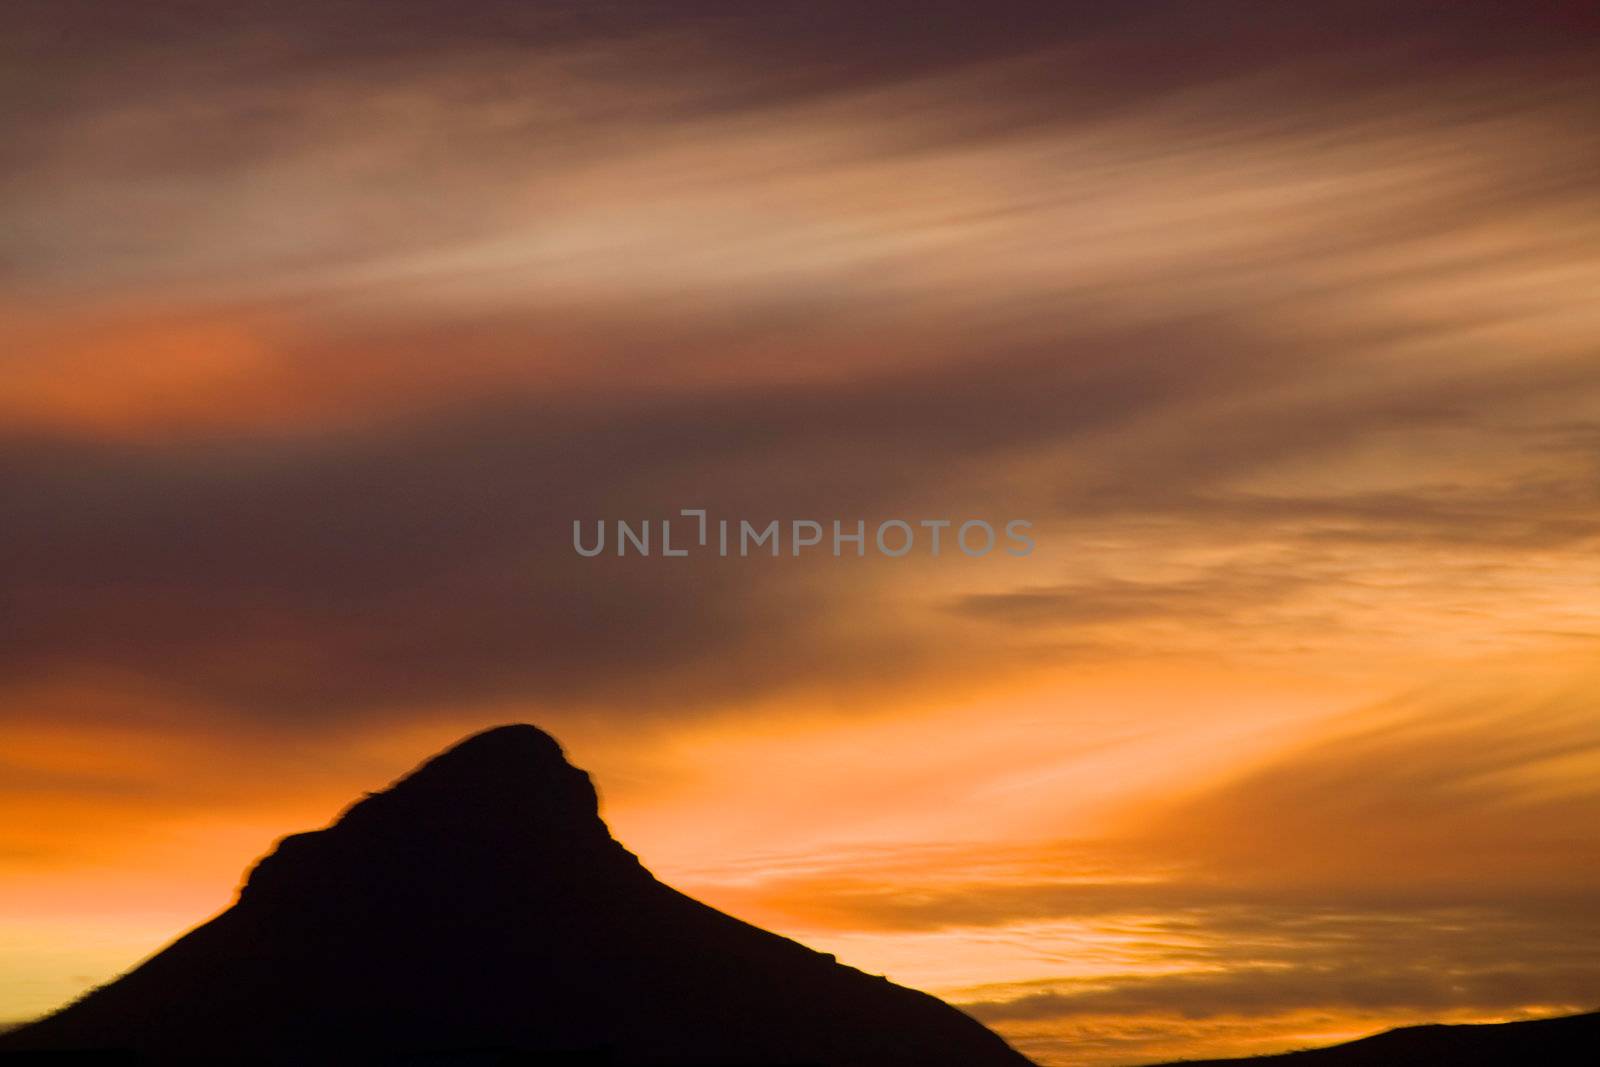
1569,1041
479,911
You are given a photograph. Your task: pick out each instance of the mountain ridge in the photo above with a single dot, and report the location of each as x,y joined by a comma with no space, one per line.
1558,1041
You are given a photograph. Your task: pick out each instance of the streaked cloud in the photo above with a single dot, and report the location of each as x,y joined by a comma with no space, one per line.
1278,323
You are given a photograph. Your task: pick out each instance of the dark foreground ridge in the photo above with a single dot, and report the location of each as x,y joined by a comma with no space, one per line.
1571,1040
479,912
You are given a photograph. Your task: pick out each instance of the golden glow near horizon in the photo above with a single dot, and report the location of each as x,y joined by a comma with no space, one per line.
1288,731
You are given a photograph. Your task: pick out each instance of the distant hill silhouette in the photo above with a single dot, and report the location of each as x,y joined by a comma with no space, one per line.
1571,1040
480,912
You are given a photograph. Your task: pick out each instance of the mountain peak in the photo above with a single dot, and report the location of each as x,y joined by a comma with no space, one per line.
517,765
501,812
506,746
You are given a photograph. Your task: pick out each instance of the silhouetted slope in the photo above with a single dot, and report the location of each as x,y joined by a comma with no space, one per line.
1572,1040
482,903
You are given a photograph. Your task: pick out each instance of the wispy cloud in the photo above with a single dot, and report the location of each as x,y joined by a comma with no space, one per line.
1278,322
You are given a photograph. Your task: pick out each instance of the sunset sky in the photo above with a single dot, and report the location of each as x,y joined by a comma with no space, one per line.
322,322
